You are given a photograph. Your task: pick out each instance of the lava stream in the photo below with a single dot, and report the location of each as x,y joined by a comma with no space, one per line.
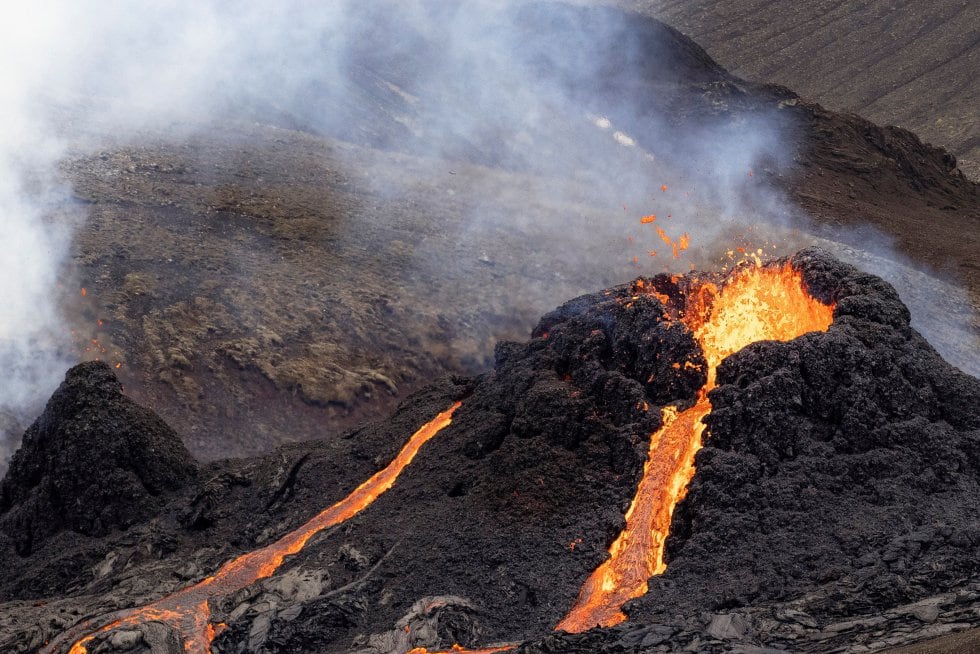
457,649
188,610
757,304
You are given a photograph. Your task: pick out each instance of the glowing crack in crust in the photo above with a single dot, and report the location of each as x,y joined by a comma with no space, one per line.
757,304
188,610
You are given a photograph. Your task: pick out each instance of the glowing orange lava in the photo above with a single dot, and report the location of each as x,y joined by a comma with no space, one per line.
757,304
188,610
457,649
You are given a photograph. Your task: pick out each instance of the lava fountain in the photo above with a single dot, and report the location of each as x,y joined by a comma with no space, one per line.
755,304
188,610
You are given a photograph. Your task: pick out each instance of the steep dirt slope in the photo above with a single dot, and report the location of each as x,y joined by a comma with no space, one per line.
912,64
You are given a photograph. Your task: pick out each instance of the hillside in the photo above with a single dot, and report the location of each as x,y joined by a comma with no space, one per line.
912,64
327,274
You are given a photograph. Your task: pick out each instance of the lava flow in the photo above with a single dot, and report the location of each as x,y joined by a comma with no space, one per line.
457,649
188,610
756,304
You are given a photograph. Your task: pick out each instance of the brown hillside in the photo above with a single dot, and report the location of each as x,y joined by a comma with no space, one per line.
914,64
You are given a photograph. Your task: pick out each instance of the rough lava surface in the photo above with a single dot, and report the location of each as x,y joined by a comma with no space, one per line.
839,481
94,461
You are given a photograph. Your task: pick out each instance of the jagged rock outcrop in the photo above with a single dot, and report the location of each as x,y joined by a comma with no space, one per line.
94,461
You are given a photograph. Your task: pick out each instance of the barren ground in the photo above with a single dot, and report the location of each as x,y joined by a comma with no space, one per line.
908,64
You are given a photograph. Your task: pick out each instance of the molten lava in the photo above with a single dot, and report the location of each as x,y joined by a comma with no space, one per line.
457,649
757,304
188,610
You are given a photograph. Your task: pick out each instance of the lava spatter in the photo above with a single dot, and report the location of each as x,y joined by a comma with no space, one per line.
756,304
188,610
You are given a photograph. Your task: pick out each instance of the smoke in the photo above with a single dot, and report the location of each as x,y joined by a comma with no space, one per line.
587,95
31,247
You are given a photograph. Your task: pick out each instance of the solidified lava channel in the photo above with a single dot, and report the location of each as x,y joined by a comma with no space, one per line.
188,610
757,304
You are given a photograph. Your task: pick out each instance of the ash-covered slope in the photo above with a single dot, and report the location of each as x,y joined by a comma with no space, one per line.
899,64
193,247
839,479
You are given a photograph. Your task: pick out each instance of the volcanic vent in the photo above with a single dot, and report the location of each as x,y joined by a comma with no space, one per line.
541,494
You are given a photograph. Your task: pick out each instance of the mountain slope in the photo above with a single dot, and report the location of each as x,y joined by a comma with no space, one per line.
909,64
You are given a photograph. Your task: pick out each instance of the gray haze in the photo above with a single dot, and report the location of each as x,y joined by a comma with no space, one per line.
432,79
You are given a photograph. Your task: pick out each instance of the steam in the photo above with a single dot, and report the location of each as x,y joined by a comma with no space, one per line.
548,90
31,248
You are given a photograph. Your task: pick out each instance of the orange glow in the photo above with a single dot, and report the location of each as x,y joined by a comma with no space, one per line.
79,647
84,292
677,246
756,304
646,220
684,241
459,649
188,610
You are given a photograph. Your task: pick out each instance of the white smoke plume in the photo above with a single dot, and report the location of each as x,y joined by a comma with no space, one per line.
31,247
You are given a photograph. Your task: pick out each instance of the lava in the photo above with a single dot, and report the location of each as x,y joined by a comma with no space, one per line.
188,610
677,246
457,649
756,304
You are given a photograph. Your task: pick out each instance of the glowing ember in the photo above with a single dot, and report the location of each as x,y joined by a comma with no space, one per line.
757,304
188,610
677,246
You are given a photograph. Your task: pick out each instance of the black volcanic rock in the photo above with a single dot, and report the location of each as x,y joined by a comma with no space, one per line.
839,479
516,501
828,457
92,462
